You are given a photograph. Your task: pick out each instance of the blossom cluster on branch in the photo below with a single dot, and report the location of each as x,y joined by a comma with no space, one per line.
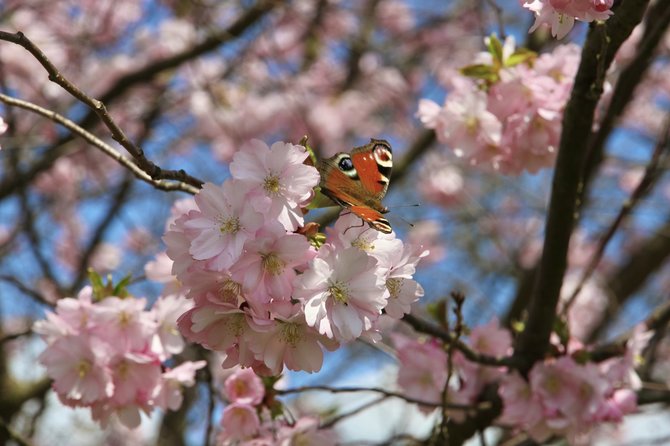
560,15
107,353
504,111
263,294
568,395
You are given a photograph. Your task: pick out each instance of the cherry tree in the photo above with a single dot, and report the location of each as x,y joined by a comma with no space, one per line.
194,248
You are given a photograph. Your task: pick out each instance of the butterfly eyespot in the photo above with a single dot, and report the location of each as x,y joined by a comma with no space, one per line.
382,153
345,164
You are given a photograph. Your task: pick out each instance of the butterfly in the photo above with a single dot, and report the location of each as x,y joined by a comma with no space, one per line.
358,181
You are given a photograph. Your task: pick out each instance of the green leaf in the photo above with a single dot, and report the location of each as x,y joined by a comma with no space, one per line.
521,55
496,49
481,71
120,290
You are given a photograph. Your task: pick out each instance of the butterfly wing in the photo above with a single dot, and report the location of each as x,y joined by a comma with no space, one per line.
359,181
374,164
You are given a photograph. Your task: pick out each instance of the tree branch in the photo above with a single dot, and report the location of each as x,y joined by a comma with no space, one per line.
601,44
108,150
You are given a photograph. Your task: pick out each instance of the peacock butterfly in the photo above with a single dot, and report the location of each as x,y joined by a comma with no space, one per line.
358,181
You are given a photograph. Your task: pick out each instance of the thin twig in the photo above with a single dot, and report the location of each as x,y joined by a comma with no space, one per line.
651,174
100,144
426,327
330,423
386,393
100,109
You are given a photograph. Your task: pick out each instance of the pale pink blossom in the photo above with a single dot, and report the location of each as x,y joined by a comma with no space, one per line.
349,232
240,421
422,371
135,375
223,223
342,292
78,368
123,323
403,289
278,177
168,341
290,342
168,394
266,269
244,387
106,257
441,181
560,15
71,317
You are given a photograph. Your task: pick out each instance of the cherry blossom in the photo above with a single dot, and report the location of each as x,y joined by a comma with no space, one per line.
245,387
279,176
342,292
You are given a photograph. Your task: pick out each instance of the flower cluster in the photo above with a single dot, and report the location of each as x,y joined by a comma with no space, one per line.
560,15
263,294
504,113
562,396
246,421
423,372
107,353
566,398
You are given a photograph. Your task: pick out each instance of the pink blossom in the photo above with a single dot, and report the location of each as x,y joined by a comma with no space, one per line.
267,268
240,421
216,327
467,126
72,316
560,15
342,292
279,176
244,387
168,394
168,340
223,223
123,323
349,232
427,233
290,342
423,369
520,406
78,368
441,181
403,290
135,375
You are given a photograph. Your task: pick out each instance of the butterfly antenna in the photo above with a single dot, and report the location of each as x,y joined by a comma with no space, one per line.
414,205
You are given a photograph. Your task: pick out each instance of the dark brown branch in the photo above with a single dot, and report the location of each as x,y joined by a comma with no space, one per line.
33,294
601,44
